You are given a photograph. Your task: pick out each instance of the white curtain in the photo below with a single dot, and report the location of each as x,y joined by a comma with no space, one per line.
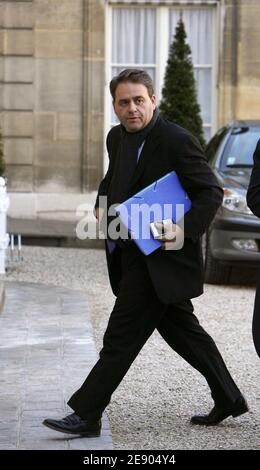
199,28
133,36
133,41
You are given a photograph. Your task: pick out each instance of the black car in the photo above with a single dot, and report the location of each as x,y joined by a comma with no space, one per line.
233,239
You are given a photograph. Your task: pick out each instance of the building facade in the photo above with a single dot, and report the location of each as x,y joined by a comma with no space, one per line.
58,56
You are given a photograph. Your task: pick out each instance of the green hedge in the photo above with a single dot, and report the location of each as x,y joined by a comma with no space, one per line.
179,95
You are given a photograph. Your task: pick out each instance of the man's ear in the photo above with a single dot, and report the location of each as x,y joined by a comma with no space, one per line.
154,101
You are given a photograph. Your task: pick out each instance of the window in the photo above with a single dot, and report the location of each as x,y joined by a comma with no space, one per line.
215,143
140,36
240,148
133,41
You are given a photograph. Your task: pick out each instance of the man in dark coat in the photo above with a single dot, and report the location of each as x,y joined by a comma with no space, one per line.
253,202
153,291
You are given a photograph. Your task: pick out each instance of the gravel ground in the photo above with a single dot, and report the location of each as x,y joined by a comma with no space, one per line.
152,406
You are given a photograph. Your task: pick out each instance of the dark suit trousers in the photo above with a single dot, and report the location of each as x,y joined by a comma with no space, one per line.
136,314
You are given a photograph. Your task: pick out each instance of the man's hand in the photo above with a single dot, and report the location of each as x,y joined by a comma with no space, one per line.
98,213
171,234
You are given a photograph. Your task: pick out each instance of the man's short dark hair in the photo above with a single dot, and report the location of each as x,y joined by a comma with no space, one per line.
134,76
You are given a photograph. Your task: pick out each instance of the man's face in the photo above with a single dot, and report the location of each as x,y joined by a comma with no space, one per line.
133,105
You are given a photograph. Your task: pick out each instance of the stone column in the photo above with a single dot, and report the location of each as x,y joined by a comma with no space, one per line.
93,92
239,71
1,62
248,93
17,98
58,95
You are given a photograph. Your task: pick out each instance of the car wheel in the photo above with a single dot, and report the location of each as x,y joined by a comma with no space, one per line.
214,271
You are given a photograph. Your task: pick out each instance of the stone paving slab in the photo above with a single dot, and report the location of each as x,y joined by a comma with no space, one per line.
46,351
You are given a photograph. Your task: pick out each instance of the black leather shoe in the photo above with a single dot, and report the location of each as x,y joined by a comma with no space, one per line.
219,414
73,424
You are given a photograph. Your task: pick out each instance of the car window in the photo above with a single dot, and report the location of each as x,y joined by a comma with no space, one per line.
214,143
240,147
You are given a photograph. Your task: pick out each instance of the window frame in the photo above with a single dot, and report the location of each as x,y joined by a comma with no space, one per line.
161,52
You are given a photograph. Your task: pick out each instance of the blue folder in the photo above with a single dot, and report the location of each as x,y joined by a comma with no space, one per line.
154,203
